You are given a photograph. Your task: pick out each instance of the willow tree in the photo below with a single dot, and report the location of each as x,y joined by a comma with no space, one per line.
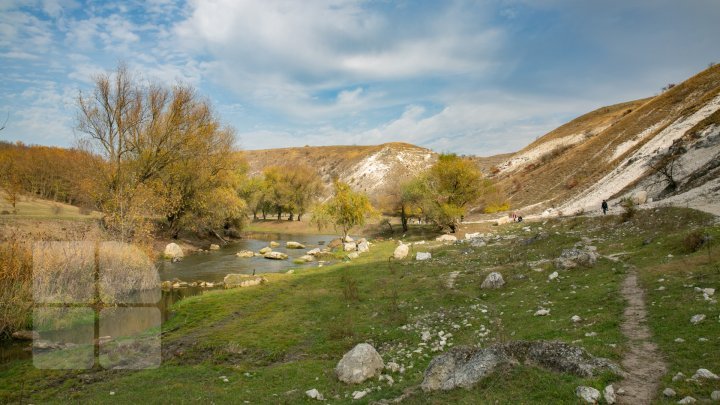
345,209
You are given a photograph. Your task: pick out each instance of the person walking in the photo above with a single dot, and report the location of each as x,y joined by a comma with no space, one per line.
604,207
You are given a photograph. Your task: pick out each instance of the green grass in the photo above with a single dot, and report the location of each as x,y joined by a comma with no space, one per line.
275,341
35,208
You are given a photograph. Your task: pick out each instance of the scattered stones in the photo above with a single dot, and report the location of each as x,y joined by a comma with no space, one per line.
294,245
359,364
173,251
242,280
609,394
465,366
703,373
401,251
669,392
214,247
392,367
696,319
446,238
588,394
687,400
275,256
423,256
542,312
245,253
493,280
314,394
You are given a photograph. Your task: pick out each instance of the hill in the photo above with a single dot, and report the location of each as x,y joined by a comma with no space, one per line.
666,147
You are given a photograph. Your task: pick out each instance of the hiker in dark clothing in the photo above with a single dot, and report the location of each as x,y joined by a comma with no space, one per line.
604,207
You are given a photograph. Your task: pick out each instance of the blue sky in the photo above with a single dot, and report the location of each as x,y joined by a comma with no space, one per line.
471,77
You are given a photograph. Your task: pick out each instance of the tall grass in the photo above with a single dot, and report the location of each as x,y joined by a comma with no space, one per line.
15,285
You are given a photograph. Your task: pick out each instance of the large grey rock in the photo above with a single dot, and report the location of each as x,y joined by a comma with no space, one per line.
588,394
609,394
493,280
401,251
363,246
359,364
423,256
465,366
294,245
705,374
571,258
242,280
275,256
173,251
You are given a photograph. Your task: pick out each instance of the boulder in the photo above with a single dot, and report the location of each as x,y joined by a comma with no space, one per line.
275,256
493,280
696,319
363,246
245,253
423,256
242,280
265,250
640,197
335,243
314,252
542,312
314,394
274,244
349,247
353,255
306,258
214,247
669,392
465,366
446,238
294,245
609,394
359,364
553,276
173,251
588,394
25,335
705,374
572,258
166,285
348,239
401,251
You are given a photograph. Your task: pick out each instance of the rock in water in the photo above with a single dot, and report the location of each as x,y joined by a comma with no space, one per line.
363,246
274,244
265,250
588,394
465,366
493,280
446,238
359,364
294,245
314,252
423,256
245,253
401,252
242,280
307,258
609,394
275,256
173,251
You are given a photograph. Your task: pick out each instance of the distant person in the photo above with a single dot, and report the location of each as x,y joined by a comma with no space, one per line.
604,207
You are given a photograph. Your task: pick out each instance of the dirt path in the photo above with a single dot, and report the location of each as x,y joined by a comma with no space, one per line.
643,362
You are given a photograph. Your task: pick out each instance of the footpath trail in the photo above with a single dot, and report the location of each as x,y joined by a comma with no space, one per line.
643,362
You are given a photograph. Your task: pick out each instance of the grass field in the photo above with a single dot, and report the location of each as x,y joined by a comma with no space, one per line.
275,341
33,208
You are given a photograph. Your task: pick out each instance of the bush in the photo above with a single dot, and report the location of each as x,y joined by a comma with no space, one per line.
350,289
15,285
629,209
694,241
496,207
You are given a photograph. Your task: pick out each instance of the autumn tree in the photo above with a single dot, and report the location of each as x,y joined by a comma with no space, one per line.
10,180
345,209
450,185
304,186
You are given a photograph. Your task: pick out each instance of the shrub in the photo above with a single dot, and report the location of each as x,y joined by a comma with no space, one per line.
15,285
629,209
496,207
350,289
694,241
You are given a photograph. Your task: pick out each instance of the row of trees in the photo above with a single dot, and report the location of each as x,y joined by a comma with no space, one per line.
291,189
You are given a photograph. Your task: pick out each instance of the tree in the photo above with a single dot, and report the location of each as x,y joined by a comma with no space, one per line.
305,186
450,185
413,195
10,180
345,209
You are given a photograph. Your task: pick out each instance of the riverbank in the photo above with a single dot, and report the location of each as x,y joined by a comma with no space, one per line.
273,342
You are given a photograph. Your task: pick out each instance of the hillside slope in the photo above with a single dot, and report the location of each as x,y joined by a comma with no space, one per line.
619,150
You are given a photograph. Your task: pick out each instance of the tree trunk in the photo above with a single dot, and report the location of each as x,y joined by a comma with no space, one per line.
403,219
299,216
291,217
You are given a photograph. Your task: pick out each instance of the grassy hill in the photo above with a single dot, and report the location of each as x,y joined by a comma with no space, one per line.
37,208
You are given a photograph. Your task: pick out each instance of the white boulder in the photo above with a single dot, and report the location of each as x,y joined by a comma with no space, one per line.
493,280
446,238
359,364
423,256
401,251
588,394
173,251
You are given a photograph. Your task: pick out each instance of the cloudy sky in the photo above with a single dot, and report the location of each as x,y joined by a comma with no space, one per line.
476,77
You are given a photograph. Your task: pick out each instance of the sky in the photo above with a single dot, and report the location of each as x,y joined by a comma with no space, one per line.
469,77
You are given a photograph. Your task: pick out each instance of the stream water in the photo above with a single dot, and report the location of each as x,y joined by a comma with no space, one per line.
210,266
